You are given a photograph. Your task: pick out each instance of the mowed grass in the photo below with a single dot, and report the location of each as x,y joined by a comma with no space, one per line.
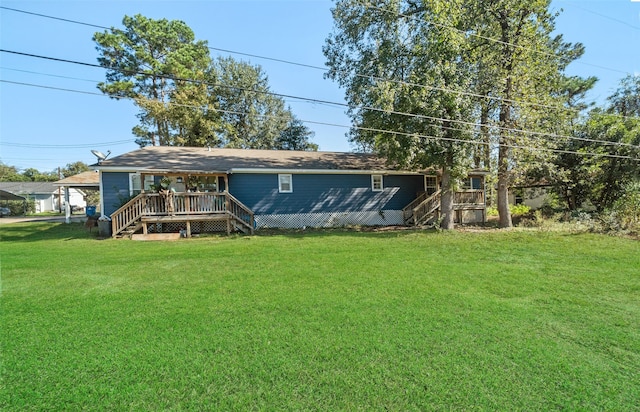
319,321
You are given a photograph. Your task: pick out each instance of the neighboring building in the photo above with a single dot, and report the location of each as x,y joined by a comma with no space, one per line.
533,196
165,188
47,196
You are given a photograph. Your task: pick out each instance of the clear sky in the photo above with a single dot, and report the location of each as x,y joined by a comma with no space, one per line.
46,128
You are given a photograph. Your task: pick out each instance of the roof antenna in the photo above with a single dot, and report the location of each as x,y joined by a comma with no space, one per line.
100,156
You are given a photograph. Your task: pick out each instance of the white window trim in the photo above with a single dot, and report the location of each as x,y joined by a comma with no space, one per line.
373,186
280,190
144,184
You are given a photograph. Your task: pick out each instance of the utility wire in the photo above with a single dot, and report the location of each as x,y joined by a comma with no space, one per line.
375,130
312,100
370,6
380,79
575,4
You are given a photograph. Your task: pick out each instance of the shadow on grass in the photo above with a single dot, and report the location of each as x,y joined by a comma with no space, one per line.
39,231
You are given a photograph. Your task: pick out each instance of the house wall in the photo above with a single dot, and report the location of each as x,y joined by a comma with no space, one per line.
115,188
325,199
534,197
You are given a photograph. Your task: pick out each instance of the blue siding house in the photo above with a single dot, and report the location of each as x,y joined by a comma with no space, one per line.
200,189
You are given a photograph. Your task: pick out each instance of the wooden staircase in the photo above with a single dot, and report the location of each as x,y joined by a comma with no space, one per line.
182,208
423,209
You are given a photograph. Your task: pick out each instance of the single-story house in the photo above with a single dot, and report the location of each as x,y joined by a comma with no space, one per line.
48,196
162,188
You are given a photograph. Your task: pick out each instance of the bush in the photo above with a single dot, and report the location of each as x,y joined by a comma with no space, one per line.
519,210
516,210
627,208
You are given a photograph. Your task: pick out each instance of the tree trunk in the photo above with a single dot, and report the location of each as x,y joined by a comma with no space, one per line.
446,201
504,176
503,188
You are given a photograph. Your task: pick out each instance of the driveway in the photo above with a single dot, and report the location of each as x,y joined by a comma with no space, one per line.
17,219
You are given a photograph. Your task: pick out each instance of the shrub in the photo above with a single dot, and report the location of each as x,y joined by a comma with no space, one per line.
627,208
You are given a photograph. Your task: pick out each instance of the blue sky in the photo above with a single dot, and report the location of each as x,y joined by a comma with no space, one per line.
46,128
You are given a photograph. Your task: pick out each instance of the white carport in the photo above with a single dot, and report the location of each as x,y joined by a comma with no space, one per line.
86,180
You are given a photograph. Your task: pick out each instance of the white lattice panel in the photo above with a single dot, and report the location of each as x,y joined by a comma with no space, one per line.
196,227
338,219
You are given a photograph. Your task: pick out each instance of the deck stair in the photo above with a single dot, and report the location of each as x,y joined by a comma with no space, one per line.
423,209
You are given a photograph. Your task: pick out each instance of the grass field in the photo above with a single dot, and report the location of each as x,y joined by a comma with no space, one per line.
319,321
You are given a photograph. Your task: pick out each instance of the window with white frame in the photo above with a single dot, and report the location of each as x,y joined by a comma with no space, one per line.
376,183
285,184
136,184
431,184
474,183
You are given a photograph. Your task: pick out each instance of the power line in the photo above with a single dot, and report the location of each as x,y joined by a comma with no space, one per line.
573,4
462,93
54,18
48,74
65,146
319,101
367,5
375,130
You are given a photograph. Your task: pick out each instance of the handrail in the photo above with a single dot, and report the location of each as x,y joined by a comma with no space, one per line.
240,212
407,211
425,208
469,197
181,204
128,214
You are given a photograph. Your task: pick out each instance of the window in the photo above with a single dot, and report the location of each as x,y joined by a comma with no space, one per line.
431,184
135,183
376,183
474,183
285,184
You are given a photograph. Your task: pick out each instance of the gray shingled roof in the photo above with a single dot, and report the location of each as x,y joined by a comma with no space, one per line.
202,159
29,188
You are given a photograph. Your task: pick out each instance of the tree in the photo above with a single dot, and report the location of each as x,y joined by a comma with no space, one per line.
404,66
605,157
252,116
34,175
11,174
149,61
185,97
513,43
296,137
74,168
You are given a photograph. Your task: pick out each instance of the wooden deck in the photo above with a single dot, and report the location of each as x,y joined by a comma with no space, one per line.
183,207
426,207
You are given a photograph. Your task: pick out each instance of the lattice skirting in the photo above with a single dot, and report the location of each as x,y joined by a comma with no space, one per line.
337,219
196,227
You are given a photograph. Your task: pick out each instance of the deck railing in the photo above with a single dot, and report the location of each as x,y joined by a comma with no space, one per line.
468,197
426,208
407,211
187,204
425,205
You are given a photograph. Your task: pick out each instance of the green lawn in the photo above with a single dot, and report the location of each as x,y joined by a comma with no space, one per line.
321,321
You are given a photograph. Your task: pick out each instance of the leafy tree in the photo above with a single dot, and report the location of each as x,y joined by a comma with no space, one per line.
11,174
405,66
606,158
147,61
252,117
525,64
296,137
34,175
185,97
74,168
